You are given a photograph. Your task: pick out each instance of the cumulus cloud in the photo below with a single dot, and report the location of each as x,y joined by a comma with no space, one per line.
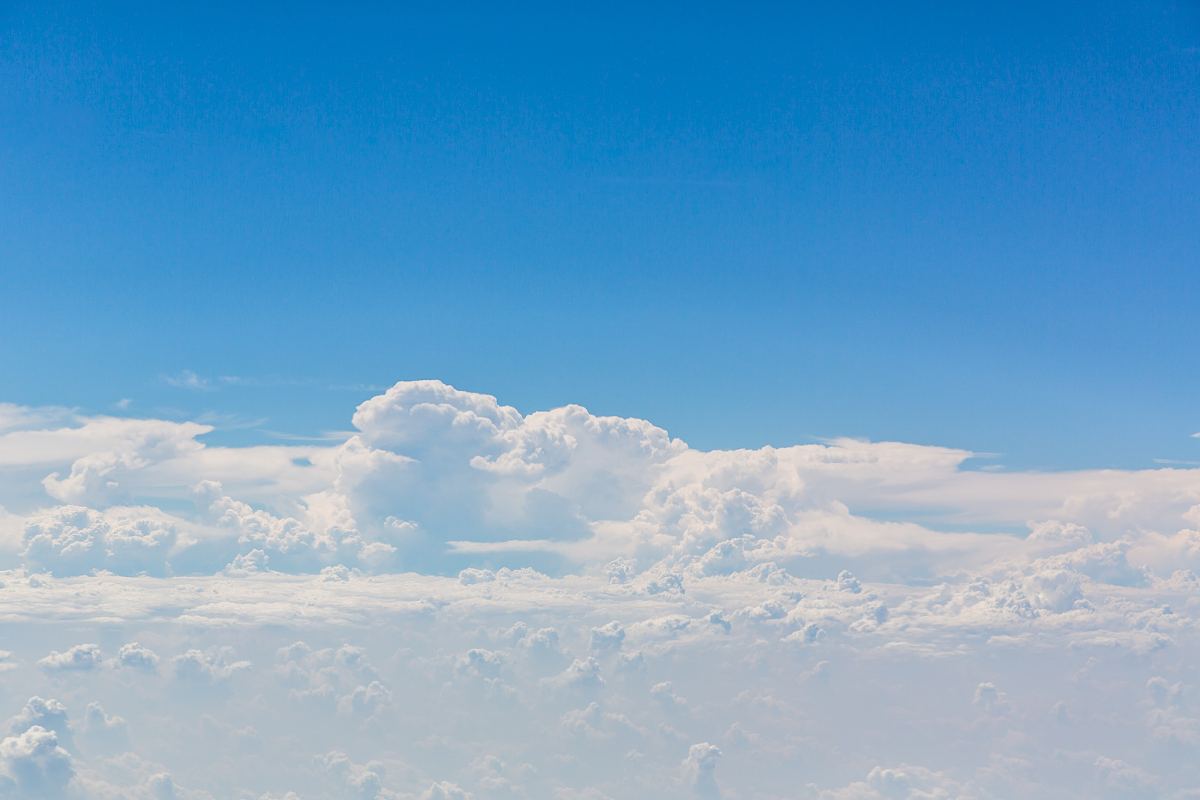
429,665
699,769
444,790
104,732
435,478
134,656
212,666
40,712
35,765
607,637
366,701
459,599
904,782
72,540
135,445
80,658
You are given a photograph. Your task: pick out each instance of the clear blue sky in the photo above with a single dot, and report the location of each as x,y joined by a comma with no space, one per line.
966,224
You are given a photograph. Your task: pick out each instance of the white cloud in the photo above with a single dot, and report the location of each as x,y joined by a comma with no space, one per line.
103,732
187,379
39,712
134,656
80,658
72,540
462,600
35,765
444,790
699,769
436,477
213,666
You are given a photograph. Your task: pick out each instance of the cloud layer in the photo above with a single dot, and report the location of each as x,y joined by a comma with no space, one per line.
461,600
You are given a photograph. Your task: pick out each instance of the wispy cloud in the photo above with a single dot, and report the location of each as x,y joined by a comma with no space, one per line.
186,379
189,379
1176,462
356,387
230,422
263,381
324,436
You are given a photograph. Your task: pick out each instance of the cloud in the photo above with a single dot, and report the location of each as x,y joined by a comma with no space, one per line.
434,666
35,765
15,417
103,474
437,479
104,732
186,379
39,712
134,656
80,658
366,701
72,540
444,790
214,666
608,637
461,598
905,782
699,769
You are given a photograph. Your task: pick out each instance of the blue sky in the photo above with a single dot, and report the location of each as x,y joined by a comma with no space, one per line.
974,227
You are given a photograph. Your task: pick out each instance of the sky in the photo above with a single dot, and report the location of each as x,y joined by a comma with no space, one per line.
443,402
969,226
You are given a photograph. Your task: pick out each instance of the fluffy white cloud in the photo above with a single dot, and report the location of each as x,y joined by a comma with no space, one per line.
440,479
42,713
35,765
134,656
444,790
213,666
699,769
407,674
462,600
80,658
71,540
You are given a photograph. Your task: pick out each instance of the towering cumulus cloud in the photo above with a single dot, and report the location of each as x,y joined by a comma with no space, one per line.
459,600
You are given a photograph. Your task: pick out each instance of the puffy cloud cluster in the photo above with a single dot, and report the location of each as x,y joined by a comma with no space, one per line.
393,686
72,540
208,667
81,658
565,489
133,447
451,465
439,479
35,765
461,600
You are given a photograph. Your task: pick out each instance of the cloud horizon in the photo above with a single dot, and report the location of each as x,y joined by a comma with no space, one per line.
434,479
379,611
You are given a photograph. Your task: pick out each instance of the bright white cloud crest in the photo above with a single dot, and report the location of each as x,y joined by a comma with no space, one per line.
460,600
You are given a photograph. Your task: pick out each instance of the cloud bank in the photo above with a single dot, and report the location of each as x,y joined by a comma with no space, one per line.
461,600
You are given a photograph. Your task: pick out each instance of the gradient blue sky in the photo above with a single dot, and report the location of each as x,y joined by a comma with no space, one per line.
972,225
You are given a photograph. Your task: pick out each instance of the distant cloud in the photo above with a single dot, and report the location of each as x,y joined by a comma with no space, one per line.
457,599
134,656
325,436
186,379
80,658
